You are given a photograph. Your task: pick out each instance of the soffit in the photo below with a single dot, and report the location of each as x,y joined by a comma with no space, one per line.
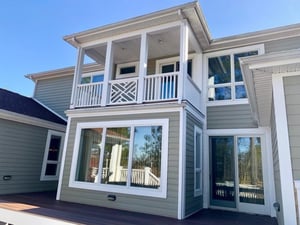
258,79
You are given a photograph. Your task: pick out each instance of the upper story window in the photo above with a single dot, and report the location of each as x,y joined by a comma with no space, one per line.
93,77
126,70
170,65
225,80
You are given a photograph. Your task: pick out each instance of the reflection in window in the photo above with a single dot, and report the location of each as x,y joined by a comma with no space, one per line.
225,80
89,154
146,159
115,161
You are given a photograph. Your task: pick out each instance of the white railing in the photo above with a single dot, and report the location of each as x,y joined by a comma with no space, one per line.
161,87
88,94
123,91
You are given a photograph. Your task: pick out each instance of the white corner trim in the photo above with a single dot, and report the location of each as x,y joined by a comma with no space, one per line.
63,158
16,117
284,154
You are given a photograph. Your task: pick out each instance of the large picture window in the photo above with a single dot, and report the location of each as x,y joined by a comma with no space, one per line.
122,156
225,80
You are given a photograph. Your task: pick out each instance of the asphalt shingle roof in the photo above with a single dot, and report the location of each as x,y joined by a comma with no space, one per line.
20,104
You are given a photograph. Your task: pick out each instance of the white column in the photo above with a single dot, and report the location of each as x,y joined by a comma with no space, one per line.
184,48
107,72
284,153
142,67
77,76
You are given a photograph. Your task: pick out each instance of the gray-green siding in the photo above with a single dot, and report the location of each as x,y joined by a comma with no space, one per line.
282,45
192,204
292,99
157,206
230,117
277,179
22,150
55,93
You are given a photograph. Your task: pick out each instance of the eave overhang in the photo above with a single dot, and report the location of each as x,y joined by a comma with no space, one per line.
258,72
190,11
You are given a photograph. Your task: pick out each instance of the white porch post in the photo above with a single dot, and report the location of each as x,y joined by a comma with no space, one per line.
284,152
107,72
77,76
184,33
142,67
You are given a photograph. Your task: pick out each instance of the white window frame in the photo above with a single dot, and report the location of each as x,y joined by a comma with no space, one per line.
45,159
92,74
198,171
231,52
161,192
127,75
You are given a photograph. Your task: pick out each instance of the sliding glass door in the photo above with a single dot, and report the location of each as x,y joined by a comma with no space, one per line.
237,174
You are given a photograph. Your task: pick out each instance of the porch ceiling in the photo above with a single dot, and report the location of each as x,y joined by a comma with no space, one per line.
258,72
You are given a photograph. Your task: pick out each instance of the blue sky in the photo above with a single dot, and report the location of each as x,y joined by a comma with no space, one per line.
31,31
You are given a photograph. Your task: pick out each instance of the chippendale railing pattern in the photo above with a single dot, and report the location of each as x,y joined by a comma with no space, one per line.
123,91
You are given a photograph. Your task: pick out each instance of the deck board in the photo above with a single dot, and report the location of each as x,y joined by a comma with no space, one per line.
44,204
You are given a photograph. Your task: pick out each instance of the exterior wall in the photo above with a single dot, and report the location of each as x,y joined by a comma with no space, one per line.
276,168
192,204
292,96
55,93
282,45
157,206
230,117
22,151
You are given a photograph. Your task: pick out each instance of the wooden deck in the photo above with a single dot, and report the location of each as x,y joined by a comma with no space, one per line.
44,206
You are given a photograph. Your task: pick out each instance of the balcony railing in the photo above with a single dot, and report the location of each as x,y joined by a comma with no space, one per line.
158,87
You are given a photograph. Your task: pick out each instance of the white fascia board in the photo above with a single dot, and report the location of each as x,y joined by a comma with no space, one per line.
8,115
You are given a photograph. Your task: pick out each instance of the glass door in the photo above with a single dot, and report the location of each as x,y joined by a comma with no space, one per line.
237,174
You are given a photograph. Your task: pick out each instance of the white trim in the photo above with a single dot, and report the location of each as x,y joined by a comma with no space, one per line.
284,152
127,75
63,159
46,161
8,115
181,166
161,192
233,84
198,192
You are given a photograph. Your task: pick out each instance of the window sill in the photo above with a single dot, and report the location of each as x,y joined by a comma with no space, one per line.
227,102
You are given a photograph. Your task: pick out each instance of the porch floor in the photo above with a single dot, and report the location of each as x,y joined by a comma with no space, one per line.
44,204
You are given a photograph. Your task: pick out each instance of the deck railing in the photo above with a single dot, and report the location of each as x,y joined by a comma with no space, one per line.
158,87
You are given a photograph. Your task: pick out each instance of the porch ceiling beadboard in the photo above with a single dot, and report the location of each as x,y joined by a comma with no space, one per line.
258,72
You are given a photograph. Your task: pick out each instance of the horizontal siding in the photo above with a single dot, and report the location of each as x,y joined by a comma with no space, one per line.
282,45
292,96
22,150
165,207
230,117
55,93
192,204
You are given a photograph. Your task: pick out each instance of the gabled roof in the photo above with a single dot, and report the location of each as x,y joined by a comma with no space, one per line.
16,103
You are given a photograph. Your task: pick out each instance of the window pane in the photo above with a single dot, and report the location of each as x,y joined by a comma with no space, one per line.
98,78
251,186
219,70
89,153
53,152
115,160
198,178
237,68
85,80
127,70
51,169
240,92
167,68
198,149
220,93
146,161
222,171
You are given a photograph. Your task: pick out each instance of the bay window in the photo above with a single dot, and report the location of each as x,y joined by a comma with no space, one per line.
121,156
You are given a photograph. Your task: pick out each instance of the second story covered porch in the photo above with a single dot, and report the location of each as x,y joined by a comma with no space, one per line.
153,58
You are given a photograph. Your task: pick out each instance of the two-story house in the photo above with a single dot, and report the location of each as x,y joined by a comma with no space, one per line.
165,120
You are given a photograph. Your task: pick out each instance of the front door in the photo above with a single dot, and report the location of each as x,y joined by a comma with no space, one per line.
237,174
